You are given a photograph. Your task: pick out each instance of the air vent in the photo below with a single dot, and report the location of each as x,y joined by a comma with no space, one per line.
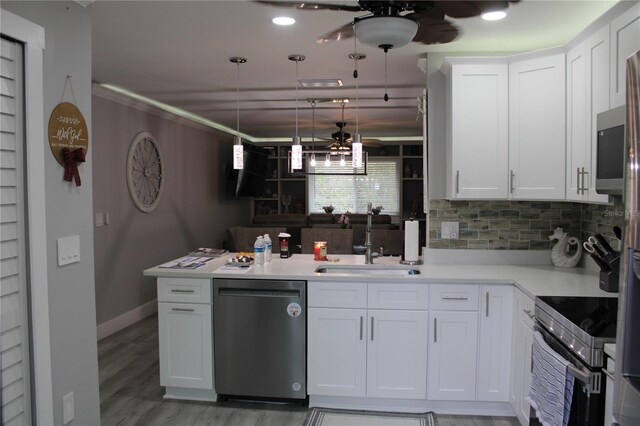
320,82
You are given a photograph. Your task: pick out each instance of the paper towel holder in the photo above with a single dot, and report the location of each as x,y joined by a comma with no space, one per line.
410,262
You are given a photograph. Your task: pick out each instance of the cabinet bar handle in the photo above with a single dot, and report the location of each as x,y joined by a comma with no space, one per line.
487,307
372,329
435,329
457,181
177,290
182,309
578,181
454,298
361,321
513,175
584,186
529,313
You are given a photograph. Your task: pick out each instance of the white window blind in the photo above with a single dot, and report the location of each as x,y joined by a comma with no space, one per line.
380,186
14,337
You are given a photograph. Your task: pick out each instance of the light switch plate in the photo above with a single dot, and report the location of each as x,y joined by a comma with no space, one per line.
68,408
449,230
68,250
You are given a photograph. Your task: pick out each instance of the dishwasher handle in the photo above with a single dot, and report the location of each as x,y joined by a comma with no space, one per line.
258,292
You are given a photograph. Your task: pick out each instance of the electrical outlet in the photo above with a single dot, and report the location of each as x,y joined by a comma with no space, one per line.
449,230
68,408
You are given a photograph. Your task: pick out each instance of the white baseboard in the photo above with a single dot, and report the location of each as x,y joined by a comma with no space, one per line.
125,320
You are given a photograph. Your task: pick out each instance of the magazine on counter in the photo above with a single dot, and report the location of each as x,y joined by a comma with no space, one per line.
187,262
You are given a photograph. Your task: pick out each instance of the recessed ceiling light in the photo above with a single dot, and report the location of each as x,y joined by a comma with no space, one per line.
283,20
494,16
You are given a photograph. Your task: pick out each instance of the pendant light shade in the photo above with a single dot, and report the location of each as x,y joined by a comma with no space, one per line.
356,149
238,154
296,149
356,145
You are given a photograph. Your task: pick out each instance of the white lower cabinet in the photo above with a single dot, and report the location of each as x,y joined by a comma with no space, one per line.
337,352
521,355
453,350
494,346
358,352
396,354
185,332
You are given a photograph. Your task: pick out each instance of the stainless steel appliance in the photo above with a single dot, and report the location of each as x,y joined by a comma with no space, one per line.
626,408
610,152
260,338
577,328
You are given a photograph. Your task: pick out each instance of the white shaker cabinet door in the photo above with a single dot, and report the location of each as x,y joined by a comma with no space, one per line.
453,347
479,131
537,128
397,354
186,345
521,355
494,348
578,142
625,40
337,352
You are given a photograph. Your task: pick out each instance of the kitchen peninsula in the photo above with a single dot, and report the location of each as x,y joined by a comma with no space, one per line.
453,338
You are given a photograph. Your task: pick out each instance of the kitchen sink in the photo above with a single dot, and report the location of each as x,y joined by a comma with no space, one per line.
367,270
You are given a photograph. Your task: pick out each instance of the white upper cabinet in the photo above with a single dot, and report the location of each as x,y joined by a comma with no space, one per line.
625,40
537,128
478,131
578,142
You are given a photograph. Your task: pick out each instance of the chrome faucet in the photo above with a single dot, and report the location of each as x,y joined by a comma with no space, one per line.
368,256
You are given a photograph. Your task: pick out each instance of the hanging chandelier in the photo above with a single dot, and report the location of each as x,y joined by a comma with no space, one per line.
238,152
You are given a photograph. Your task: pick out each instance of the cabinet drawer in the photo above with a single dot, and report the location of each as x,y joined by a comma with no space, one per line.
184,290
453,297
337,295
398,296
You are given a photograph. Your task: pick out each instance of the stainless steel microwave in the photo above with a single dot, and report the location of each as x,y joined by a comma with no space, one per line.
610,126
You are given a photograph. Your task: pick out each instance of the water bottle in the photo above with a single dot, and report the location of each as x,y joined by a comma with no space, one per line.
258,250
268,248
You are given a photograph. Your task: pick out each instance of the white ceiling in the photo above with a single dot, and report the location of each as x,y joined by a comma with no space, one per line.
178,53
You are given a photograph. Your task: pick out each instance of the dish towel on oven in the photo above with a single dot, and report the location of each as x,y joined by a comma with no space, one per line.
551,385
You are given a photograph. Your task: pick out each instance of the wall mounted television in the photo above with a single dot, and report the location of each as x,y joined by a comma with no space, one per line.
248,182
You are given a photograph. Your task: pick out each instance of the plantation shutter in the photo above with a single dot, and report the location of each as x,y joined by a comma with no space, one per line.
380,186
14,329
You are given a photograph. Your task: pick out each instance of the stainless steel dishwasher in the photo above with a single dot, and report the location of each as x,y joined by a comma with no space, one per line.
260,338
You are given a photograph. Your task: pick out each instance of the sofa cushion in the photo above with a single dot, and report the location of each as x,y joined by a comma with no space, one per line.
361,218
339,241
242,238
320,218
292,219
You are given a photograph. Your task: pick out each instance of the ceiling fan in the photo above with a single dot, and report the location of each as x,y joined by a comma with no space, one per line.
388,26
341,139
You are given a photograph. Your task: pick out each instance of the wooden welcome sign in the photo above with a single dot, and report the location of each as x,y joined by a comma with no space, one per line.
67,129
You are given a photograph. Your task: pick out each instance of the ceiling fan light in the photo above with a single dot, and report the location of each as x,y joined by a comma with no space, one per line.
356,149
312,162
391,31
495,15
342,161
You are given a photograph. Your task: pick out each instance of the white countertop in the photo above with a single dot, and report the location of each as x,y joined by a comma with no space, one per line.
532,280
610,349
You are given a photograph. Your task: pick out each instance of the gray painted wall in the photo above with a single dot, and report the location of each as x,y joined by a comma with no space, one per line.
192,211
69,212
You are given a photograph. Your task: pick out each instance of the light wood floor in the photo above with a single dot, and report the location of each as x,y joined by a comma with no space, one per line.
130,392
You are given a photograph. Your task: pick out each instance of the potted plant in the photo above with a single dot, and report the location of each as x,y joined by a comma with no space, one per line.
343,221
377,209
328,209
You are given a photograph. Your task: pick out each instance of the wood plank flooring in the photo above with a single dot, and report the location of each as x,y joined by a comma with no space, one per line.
130,392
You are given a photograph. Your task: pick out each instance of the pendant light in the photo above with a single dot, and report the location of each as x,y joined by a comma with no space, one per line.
296,148
356,144
312,162
238,154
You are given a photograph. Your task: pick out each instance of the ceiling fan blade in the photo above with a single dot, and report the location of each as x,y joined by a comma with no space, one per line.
344,32
311,6
434,31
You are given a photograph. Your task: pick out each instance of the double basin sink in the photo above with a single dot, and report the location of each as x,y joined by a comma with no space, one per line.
368,270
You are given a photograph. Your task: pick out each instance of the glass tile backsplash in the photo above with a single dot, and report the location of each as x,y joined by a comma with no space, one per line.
518,225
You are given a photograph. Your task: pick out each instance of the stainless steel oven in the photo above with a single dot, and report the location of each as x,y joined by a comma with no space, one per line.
577,329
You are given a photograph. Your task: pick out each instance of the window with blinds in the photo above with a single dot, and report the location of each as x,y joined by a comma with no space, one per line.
14,327
380,186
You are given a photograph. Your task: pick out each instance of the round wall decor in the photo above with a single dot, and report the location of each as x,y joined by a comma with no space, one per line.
145,172
67,129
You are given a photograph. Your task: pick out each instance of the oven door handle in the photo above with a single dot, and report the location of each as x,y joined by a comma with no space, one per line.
590,379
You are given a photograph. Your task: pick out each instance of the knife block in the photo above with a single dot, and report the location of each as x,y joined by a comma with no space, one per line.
610,280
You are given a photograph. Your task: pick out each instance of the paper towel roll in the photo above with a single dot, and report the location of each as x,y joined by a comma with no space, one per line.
411,237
